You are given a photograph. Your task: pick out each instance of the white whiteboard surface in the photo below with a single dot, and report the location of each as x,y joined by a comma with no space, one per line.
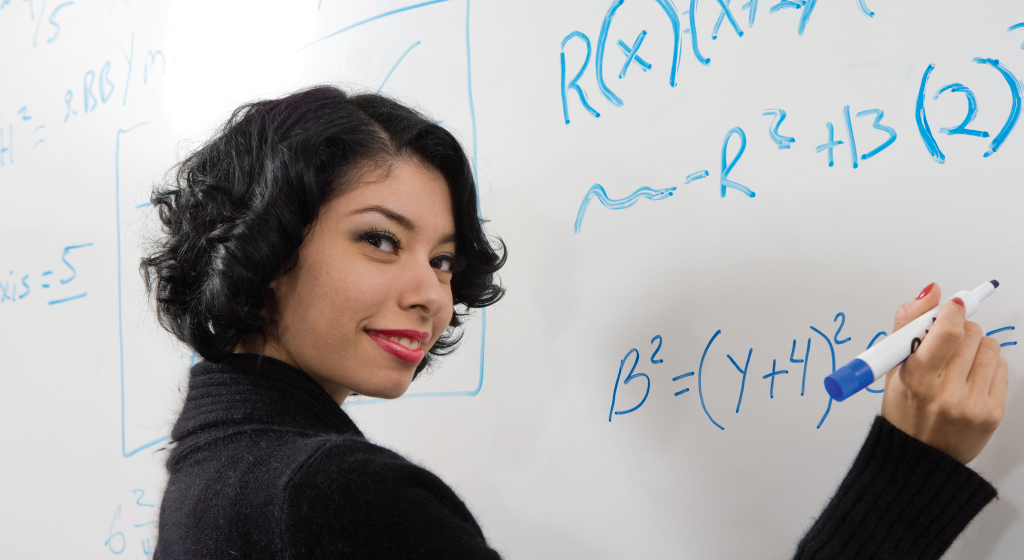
100,98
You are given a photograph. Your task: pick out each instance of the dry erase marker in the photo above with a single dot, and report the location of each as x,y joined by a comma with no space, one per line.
893,350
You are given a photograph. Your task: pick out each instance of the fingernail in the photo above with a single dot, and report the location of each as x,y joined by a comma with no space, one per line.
927,290
958,301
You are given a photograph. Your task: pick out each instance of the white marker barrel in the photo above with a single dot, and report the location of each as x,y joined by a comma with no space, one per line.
893,350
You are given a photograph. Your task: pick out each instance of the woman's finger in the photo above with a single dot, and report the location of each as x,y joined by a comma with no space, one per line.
965,358
984,369
1000,380
926,364
927,299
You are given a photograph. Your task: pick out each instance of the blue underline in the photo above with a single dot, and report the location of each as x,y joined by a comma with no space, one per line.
56,301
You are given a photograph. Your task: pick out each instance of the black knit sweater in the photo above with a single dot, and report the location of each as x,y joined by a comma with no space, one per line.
266,465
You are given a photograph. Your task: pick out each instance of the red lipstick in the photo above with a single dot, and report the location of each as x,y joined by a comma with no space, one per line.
395,348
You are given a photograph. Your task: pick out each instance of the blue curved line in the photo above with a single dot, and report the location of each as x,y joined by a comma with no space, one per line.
778,115
922,120
824,416
725,181
695,176
598,191
785,4
1015,88
368,20
972,111
830,347
806,16
833,351
877,125
572,83
835,337
870,344
631,377
599,58
990,333
61,300
700,371
1016,26
954,87
673,17
693,34
397,62
864,9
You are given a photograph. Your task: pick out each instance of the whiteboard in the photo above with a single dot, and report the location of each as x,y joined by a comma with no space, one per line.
719,218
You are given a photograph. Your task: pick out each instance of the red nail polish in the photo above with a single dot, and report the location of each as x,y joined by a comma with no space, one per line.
927,290
959,302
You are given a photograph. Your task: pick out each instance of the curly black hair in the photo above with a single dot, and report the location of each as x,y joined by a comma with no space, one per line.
237,209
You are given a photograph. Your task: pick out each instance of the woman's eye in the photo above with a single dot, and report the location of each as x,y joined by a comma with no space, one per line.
382,242
444,263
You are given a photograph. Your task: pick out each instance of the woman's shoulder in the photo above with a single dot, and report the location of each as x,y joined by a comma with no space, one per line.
351,495
336,467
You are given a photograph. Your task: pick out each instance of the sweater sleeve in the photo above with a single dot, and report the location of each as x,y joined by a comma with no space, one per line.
358,500
901,499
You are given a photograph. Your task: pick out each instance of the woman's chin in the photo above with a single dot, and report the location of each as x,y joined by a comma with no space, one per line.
388,390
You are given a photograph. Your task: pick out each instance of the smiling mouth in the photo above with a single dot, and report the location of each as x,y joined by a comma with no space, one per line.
406,345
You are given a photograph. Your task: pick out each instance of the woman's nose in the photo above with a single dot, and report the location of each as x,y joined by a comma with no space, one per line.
422,289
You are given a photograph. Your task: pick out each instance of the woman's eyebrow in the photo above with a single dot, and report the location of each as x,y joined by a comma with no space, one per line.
389,214
400,220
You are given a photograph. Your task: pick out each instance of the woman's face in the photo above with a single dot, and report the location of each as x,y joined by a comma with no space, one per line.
371,291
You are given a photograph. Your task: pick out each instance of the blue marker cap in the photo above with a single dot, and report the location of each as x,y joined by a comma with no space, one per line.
849,379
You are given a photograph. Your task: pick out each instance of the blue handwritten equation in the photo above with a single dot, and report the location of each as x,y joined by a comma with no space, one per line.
98,87
56,285
25,131
131,526
842,137
46,20
795,373
29,131
972,110
631,50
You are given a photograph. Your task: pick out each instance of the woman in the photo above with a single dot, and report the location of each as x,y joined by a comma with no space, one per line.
318,247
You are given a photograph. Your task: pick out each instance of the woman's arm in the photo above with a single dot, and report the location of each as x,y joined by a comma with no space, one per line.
909,493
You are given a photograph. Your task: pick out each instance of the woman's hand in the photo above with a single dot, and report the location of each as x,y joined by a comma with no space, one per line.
951,393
